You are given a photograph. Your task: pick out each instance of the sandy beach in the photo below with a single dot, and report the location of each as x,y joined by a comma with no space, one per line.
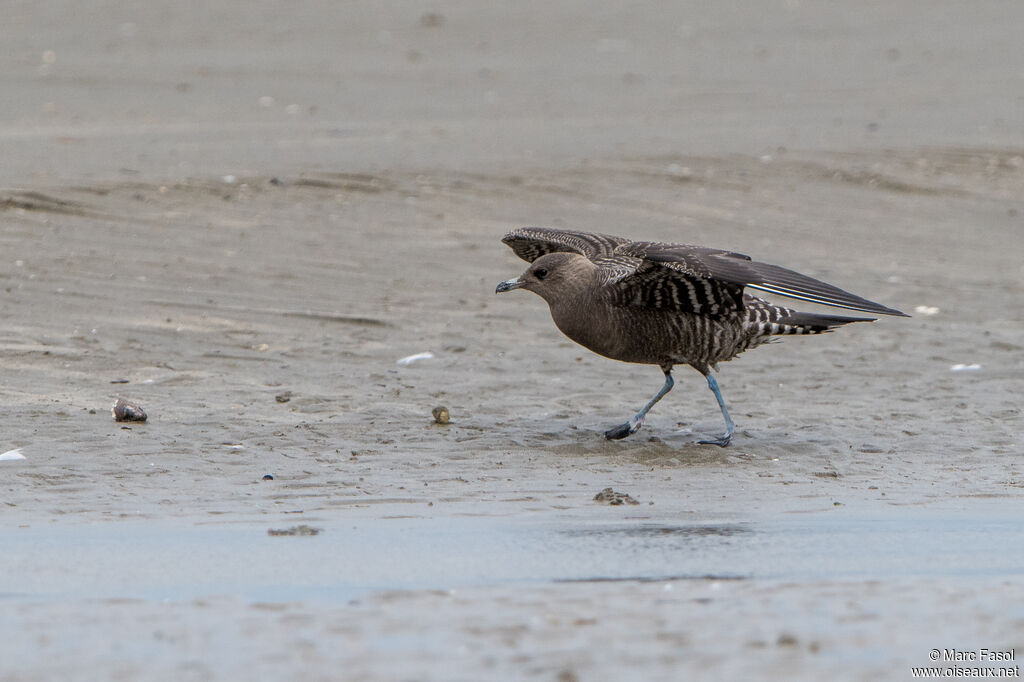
242,217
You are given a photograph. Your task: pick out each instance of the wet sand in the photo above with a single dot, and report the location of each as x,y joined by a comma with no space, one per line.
244,218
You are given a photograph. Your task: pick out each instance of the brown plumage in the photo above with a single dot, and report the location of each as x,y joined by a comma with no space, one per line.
668,304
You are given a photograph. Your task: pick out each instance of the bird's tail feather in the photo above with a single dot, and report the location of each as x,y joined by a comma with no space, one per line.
810,323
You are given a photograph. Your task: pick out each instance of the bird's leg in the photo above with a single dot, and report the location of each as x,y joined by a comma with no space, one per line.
729,426
634,424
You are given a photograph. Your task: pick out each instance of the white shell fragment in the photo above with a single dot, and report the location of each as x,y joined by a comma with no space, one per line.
926,310
965,368
12,455
409,359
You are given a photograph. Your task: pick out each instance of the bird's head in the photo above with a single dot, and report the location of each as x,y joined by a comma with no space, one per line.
554,277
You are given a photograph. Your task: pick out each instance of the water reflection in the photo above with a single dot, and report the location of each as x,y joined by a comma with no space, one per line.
153,560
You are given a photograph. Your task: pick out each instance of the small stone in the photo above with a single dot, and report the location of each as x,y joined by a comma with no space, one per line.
124,411
432,20
441,415
786,639
268,477
283,397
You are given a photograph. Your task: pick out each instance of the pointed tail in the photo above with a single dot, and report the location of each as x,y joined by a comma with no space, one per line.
793,322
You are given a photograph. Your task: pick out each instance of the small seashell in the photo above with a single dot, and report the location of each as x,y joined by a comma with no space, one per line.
409,359
124,411
926,310
959,367
441,414
11,455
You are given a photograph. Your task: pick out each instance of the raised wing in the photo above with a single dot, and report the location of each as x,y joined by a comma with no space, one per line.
530,243
635,281
737,269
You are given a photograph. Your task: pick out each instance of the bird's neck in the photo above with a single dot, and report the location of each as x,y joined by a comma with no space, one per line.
581,317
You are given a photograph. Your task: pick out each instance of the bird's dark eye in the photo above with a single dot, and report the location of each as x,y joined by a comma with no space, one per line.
540,273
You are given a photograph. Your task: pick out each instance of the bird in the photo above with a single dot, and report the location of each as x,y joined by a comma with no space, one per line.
669,304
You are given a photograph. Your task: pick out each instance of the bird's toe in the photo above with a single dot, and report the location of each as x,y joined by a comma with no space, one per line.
619,432
623,430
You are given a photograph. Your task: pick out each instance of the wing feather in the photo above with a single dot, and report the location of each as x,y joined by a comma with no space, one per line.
530,243
739,269
683,277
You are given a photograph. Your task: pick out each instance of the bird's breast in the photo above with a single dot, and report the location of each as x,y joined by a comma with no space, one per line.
608,330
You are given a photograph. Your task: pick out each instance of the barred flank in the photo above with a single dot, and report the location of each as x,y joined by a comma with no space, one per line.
774,320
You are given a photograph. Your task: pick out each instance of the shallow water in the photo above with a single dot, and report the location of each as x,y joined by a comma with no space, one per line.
165,561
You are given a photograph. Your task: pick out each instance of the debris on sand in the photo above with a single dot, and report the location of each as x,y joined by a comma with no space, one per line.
609,496
125,411
441,415
409,359
12,455
302,530
283,397
963,367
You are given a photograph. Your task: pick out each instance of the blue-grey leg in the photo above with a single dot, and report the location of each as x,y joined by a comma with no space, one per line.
729,426
634,424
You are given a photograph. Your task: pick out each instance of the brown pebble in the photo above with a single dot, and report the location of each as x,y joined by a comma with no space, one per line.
124,411
441,415
432,20
283,397
786,639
